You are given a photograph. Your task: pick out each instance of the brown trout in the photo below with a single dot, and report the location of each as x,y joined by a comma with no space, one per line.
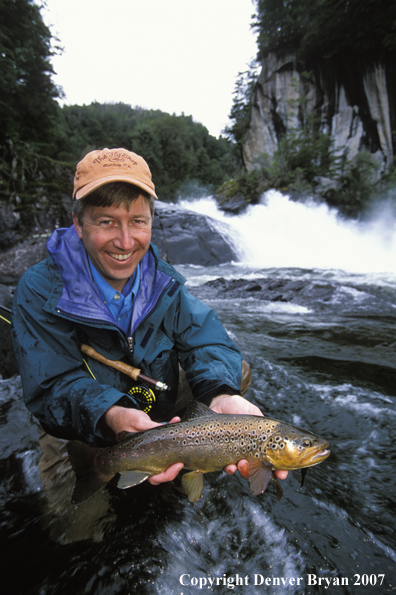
203,441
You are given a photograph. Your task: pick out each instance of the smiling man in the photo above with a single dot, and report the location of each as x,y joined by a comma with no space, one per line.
104,285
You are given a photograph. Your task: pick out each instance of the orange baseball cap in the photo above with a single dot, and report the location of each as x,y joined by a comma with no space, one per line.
111,165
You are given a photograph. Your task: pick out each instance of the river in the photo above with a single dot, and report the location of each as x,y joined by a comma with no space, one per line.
311,302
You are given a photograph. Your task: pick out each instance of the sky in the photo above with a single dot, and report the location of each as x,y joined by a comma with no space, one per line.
178,56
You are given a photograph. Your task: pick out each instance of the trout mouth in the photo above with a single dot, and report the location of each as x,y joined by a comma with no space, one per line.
319,454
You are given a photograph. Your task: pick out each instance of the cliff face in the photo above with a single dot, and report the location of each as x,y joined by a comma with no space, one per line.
355,105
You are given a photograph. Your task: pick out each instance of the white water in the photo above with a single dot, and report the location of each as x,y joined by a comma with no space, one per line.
279,232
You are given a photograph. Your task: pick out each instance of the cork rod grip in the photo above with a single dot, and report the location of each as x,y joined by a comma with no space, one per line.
117,365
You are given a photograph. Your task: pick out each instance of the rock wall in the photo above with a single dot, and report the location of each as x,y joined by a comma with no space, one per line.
355,104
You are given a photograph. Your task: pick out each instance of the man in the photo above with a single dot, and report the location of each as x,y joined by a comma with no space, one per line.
103,284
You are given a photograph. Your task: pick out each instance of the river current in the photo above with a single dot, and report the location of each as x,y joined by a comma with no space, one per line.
311,302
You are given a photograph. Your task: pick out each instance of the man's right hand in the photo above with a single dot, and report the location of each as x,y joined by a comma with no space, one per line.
120,419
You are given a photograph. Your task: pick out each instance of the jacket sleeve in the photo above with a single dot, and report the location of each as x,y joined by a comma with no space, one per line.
212,362
57,389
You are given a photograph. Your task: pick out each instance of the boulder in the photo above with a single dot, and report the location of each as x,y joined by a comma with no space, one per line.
185,237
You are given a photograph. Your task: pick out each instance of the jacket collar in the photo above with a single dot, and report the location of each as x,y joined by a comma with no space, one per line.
81,298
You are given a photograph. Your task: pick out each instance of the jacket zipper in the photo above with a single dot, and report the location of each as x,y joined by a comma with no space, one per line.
130,344
130,340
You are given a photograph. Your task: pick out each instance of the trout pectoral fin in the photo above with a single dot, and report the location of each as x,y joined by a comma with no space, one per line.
193,484
128,479
259,476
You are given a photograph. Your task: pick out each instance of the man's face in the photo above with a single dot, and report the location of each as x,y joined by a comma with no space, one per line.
116,239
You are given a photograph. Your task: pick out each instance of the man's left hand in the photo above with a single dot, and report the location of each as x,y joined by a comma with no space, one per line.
234,404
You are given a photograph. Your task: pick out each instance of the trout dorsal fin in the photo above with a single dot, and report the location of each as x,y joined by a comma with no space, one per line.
196,409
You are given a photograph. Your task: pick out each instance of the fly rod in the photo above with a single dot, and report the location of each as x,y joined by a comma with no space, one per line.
126,369
130,371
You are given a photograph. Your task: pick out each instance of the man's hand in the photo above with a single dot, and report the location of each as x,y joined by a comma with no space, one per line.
232,404
119,419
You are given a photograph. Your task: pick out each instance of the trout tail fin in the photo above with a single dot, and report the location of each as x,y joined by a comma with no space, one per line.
88,480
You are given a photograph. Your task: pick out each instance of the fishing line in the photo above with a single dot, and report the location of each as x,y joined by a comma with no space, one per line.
8,312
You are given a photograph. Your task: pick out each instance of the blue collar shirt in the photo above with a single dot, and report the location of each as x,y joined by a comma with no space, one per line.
119,304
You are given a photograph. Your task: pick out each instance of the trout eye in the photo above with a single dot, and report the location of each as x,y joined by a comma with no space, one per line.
306,442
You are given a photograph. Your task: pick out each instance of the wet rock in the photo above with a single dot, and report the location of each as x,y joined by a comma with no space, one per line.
185,237
18,259
280,290
8,366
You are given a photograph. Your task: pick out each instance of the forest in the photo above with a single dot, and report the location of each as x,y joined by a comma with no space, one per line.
41,142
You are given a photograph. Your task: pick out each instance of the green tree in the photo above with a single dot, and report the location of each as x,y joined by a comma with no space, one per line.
176,148
242,105
28,108
327,28
27,92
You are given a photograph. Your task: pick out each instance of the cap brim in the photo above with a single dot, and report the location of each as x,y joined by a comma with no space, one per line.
112,178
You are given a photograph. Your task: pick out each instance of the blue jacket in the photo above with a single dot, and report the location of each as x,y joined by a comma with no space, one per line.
57,307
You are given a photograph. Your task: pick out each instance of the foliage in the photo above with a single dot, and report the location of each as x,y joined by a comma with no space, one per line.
357,182
327,28
248,186
305,154
305,164
27,93
28,107
176,148
242,104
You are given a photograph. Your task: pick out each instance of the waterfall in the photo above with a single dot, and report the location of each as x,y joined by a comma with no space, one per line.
279,232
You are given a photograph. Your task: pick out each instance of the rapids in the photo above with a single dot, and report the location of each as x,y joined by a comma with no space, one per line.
316,321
